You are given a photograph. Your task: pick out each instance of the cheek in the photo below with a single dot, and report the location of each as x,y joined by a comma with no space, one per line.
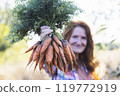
84,42
72,41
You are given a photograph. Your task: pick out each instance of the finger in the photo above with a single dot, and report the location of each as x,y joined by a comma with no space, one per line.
41,36
49,32
45,27
44,34
46,30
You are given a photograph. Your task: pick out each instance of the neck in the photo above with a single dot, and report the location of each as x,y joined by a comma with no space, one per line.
77,55
78,59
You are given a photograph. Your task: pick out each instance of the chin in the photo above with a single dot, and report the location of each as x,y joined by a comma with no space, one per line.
78,52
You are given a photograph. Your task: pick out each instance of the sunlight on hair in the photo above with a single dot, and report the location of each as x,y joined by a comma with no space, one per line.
99,72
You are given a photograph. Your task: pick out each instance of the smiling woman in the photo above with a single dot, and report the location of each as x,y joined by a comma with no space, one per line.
79,36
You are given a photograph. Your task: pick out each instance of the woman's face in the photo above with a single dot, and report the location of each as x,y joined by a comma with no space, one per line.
78,40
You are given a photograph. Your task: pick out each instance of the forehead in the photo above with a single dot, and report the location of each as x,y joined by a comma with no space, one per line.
79,31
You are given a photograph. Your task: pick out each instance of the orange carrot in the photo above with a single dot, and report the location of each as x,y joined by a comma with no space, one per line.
37,52
57,40
33,47
62,55
31,57
72,54
55,60
46,43
55,47
36,64
51,67
48,66
49,54
60,64
41,61
67,52
63,58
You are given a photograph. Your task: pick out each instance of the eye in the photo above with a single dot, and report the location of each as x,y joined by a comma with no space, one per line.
84,38
75,36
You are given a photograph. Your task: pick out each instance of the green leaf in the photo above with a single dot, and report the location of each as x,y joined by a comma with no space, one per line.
31,14
117,68
113,72
102,29
118,75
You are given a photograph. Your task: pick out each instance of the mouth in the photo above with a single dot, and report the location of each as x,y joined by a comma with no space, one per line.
78,46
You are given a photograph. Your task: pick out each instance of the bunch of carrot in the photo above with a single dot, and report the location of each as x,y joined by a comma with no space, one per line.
52,52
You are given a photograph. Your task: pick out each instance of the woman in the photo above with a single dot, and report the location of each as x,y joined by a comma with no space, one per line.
78,34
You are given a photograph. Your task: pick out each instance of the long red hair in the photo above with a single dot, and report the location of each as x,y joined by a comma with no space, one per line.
87,56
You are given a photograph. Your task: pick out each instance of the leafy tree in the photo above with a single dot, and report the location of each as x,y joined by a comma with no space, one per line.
5,17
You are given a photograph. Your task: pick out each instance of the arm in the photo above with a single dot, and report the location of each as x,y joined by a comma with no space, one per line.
45,30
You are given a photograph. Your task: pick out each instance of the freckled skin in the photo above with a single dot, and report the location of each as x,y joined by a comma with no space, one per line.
78,40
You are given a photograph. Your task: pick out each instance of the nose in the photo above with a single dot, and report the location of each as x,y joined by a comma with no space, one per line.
79,42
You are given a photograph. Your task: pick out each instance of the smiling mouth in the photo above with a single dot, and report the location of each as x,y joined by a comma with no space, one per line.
78,46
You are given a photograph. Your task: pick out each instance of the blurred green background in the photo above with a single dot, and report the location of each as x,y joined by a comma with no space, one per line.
105,30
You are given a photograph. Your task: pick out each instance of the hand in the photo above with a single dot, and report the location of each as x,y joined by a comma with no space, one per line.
45,30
